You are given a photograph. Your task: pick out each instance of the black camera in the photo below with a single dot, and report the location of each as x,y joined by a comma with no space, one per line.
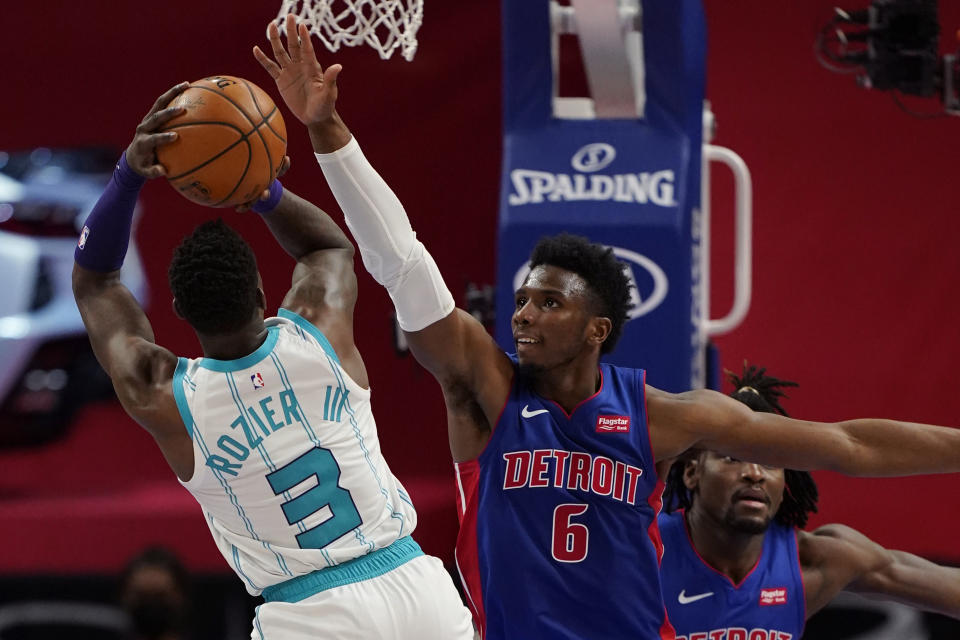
892,45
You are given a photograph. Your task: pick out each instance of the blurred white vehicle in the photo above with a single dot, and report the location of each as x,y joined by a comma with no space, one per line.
47,368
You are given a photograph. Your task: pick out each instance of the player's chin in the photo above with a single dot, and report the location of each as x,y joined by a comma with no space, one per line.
749,524
528,366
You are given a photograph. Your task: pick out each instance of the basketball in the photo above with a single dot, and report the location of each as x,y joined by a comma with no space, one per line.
231,141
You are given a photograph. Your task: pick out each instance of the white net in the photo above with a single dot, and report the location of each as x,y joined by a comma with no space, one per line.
385,25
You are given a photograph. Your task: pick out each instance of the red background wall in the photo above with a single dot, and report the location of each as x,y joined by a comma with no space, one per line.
855,226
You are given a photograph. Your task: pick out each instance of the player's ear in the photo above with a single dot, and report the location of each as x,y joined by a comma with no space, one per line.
691,473
261,298
599,330
176,310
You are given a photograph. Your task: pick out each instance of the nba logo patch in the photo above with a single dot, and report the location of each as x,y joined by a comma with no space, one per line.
769,597
257,381
83,237
613,424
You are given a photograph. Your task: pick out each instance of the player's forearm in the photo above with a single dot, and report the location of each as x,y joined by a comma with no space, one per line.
916,582
893,448
103,242
329,135
302,228
107,309
390,249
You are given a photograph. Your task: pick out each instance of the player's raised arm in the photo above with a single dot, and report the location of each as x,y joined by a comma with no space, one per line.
324,287
448,342
866,447
837,558
119,331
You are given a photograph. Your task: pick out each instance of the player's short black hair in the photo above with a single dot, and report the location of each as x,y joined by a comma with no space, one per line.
604,274
761,393
213,277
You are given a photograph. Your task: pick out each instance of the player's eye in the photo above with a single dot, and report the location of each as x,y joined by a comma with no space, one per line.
550,302
731,460
520,302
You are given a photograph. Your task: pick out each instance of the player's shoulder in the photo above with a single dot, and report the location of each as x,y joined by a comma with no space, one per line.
302,326
148,366
830,543
143,381
670,522
621,371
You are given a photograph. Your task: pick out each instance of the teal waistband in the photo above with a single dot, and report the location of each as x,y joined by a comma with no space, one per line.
365,567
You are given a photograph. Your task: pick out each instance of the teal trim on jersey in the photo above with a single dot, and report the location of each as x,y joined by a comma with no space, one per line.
366,453
262,449
236,562
256,622
180,396
246,361
305,423
365,567
310,328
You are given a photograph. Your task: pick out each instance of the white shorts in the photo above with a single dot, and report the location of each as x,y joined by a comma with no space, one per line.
415,601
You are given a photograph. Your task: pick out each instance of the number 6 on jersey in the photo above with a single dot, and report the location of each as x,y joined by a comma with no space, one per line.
570,539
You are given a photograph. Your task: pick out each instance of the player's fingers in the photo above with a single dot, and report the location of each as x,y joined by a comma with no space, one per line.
154,171
160,139
306,44
156,120
284,166
269,65
161,118
331,74
293,39
278,51
167,96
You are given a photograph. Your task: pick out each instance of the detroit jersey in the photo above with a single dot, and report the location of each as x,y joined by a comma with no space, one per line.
558,531
769,604
287,464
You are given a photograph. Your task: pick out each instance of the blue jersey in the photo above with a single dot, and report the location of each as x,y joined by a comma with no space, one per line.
704,604
558,530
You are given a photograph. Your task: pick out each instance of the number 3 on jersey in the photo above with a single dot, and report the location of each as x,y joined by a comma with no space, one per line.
316,463
571,540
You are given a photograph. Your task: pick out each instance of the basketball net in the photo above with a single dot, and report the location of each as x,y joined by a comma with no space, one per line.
385,25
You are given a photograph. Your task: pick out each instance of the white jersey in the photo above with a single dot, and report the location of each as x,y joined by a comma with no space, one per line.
288,468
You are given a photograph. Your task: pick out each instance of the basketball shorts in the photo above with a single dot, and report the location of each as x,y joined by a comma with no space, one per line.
415,601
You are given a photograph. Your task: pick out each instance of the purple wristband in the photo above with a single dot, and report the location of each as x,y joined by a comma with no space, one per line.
127,178
106,231
268,205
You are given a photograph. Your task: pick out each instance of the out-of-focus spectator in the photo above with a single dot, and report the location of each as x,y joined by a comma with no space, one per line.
154,590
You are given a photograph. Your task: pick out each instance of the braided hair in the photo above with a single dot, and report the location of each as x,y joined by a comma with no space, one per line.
761,393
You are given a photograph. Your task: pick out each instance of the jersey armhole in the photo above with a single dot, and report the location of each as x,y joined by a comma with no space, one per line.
181,397
646,419
493,427
311,329
803,587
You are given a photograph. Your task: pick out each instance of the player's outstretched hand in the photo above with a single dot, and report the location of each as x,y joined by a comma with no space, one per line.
284,167
142,152
309,91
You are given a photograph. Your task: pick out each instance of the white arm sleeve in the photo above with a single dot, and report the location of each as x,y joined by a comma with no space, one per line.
388,246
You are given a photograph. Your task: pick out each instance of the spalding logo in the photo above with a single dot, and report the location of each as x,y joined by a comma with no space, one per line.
644,296
593,157
533,186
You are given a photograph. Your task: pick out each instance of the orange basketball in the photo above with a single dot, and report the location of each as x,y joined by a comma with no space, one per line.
230,145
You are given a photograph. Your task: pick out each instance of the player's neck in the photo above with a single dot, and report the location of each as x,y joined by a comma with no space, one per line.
732,553
570,384
236,344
